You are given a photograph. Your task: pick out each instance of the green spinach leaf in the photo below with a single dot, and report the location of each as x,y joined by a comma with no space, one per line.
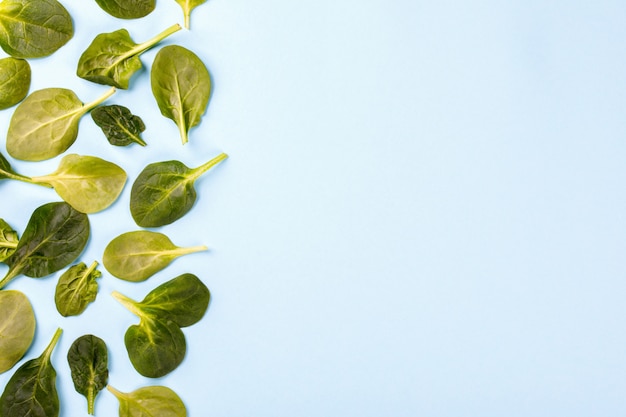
45,124
87,183
119,125
164,191
154,401
188,6
112,58
136,256
31,391
15,77
8,240
34,28
156,346
76,288
17,327
181,85
54,237
127,9
89,365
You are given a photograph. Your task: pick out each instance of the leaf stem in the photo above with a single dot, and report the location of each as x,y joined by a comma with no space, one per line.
191,249
91,268
23,178
129,303
89,106
91,400
8,277
118,394
142,47
205,167
48,352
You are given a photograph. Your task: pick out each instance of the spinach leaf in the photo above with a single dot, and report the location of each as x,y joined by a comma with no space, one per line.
76,288
181,86
188,6
156,346
154,401
112,58
17,327
31,391
183,300
127,9
8,240
164,191
87,183
45,124
34,28
54,237
88,360
14,81
119,125
136,256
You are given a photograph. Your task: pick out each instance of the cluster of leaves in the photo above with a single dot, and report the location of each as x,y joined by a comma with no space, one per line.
44,125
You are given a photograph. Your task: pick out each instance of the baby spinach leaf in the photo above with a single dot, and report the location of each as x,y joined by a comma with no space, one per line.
89,365
17,327
119,125
31,391
54,237
45,124
164,191
127,9
14,81
77,287
156,346
181,86
154,401
183,300
112,58
136,256
8,240
188,6
87,183
34,28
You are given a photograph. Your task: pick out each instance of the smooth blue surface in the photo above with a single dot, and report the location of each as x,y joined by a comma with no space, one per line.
422,212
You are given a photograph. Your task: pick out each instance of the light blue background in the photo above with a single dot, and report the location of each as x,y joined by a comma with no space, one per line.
422,213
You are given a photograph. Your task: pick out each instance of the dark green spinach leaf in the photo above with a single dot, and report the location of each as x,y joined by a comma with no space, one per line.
15,77
181,85
119,125
156,346
54,237
31,391
77,287
34,28
164,191
112,58
89,365
127,9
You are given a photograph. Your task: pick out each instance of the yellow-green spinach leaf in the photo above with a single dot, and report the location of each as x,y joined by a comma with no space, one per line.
45,124
8,240
181,85
76,288
127,9
153,401
17,327
15,75
136,256
34,28
112,58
